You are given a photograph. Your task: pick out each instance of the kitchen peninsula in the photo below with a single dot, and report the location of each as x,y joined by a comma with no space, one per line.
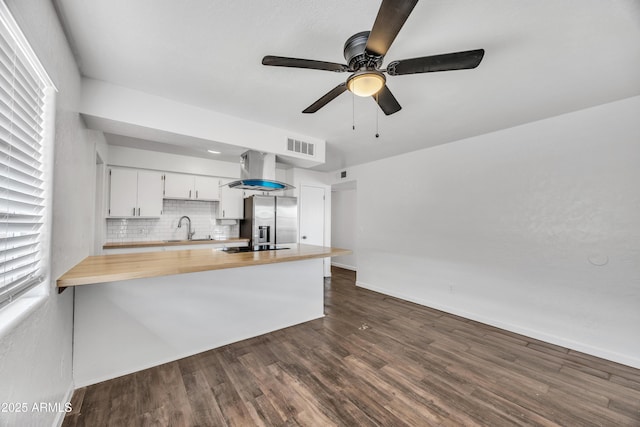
134,311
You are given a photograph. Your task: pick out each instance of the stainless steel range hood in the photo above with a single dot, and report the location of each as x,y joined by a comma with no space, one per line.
258,172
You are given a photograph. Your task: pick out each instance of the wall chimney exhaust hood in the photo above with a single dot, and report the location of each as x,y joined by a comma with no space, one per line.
258,172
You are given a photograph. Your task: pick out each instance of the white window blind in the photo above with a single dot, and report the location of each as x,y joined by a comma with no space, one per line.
22,197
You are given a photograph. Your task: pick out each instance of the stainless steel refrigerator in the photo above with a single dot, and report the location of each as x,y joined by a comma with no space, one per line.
270,221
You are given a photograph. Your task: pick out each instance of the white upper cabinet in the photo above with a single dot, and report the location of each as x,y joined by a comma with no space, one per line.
135,193
190,187
123,192
207,188
149,193
231,202
178,186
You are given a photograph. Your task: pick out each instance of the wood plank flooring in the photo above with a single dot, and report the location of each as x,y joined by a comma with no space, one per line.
373,360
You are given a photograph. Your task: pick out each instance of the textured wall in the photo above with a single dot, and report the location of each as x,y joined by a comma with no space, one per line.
35,355
535,229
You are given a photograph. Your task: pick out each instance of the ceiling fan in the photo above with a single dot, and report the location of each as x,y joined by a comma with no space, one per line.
365,52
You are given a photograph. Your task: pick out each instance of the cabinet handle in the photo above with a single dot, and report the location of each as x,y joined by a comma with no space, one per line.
134,211
222,213
138,211
196,194
189,193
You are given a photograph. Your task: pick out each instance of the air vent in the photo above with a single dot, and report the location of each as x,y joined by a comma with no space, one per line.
297,146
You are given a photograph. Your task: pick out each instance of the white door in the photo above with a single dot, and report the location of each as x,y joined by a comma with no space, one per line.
311,215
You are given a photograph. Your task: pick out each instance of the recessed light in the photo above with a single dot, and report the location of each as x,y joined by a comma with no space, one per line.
213,152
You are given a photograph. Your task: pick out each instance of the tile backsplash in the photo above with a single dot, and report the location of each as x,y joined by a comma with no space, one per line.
203,222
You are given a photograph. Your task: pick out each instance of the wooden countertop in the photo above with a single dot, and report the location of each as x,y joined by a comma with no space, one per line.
110,268
122,245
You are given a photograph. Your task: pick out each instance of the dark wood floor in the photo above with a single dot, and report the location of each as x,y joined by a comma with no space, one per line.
373,360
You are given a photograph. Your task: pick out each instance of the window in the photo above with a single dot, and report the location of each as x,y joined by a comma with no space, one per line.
25,94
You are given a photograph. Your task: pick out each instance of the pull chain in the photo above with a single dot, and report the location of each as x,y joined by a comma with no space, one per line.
353,111
377,112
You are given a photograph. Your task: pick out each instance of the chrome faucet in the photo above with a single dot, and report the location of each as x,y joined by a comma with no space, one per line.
189,232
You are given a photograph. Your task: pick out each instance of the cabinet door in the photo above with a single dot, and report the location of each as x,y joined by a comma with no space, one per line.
231,202
178,186
149,194
207,188
123,192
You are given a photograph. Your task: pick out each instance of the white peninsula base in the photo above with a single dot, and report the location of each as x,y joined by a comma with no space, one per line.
126,326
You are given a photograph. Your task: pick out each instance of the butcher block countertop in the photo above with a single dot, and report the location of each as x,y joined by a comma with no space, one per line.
150,244
111,268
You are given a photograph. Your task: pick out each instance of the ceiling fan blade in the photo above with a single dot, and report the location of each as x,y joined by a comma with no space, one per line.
281,61
391,17
328,97
386,101
445,62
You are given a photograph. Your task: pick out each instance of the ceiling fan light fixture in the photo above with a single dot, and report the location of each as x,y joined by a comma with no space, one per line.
366,83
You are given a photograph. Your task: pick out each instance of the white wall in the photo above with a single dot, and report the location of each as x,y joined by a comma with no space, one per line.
143,159
344,226
35,354
131,108
535,229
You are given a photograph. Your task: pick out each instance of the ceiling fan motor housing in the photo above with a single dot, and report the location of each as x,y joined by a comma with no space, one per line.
356,55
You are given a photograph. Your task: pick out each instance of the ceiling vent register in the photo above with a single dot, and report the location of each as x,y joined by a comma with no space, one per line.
301,147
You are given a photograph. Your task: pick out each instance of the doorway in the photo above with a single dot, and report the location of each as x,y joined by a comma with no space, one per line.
344,223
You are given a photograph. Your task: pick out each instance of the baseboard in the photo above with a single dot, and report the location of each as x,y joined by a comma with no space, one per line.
627,360
59,419
345,266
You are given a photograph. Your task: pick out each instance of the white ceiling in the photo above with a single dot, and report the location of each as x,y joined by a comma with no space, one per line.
543,58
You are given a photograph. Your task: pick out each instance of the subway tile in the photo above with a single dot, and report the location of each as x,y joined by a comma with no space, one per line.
203,221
